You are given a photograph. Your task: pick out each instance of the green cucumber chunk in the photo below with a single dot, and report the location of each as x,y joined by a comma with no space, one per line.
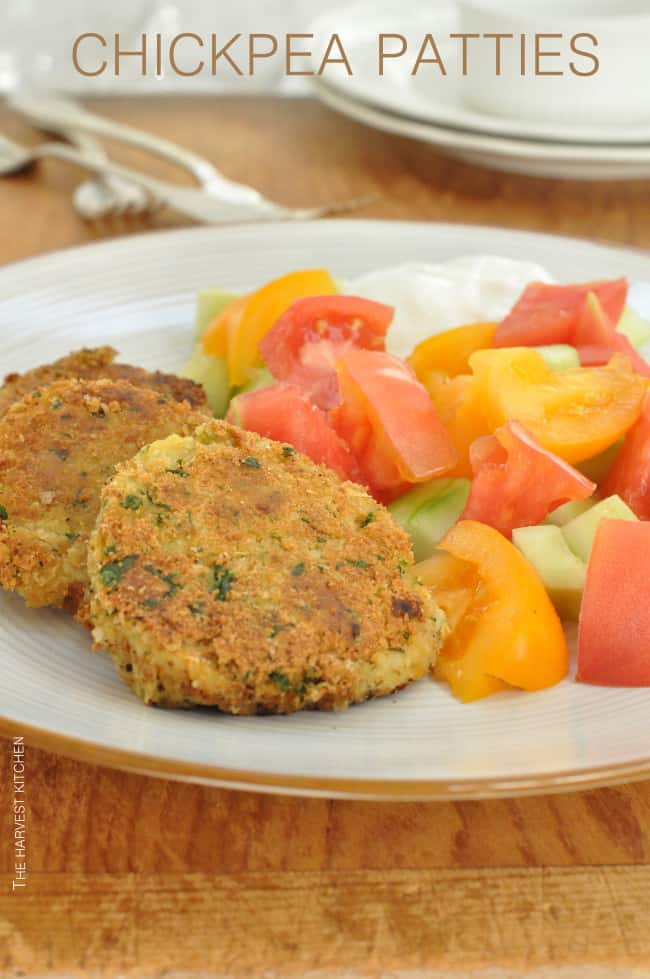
567,511
561,571
580,532
209,303
427,511
634,327
598,466
260,378
559,356
212,374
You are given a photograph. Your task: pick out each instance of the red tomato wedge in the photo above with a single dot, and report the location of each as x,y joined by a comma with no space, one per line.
614,629
629,475
388,419
517,482
547,314
285,414
597,339
306,342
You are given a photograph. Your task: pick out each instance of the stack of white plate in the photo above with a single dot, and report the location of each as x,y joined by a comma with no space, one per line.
435,109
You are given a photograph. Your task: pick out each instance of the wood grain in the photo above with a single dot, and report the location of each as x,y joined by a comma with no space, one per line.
131,875
332,920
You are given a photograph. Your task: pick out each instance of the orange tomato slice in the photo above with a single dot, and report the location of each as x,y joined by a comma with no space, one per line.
262,310
458,404
217,334
450,351
576,413
505,631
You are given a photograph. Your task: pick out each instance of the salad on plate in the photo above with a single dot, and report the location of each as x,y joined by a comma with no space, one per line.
503,419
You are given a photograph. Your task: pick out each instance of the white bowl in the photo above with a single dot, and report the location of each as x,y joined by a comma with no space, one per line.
618,92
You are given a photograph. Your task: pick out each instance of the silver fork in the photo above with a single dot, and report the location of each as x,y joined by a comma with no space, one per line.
190,201
99,198
60,115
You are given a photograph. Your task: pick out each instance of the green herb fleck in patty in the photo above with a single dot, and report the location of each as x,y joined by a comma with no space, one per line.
169,579
113,572
251,462
277,629
179,471
288,450
77,501
281,679
368,519
298,569
222,582
309,678
3,513
131,502
61,454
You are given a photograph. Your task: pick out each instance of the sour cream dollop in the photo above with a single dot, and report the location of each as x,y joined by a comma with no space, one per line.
432,298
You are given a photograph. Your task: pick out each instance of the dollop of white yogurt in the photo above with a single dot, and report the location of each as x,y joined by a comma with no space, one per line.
431,298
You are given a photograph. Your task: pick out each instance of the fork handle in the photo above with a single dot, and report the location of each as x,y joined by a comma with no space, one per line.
60,115
190,201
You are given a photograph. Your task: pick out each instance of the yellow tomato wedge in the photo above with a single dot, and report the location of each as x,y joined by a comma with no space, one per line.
504,629
262,310
576,413
460,593
217,333
450,351
458,404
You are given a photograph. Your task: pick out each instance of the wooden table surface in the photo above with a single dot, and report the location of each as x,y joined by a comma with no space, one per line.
137,876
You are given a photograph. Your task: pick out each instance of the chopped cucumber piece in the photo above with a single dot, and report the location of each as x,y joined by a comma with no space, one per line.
597,468
568,511
559,356
209,303
427,512
580,531
644,350
212,374
260,378
561,571
634,327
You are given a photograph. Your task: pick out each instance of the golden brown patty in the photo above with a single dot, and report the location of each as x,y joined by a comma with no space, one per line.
92,365
231,571
58,446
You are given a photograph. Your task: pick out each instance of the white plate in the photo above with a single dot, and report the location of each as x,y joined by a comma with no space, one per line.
138,294
429,96
561,160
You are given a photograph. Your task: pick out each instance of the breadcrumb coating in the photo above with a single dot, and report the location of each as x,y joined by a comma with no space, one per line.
91,365
228,570
58,446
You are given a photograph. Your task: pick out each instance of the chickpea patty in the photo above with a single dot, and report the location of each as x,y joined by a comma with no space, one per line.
58,446
91,365
231,571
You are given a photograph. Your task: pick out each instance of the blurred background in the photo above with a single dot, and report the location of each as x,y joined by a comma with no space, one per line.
36,38
413,141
